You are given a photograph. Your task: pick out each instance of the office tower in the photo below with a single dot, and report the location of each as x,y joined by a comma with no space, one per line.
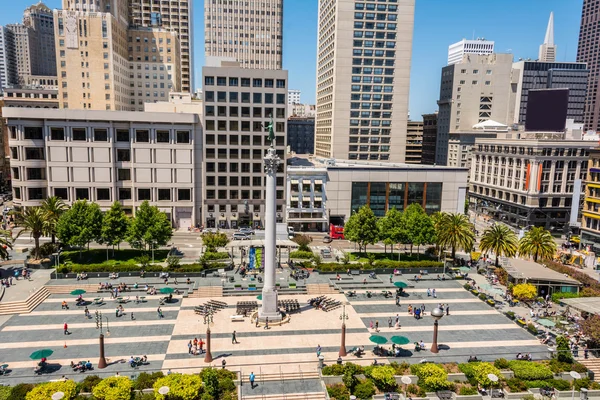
8,61
550,75
473,91
414,142
173,15
548,48
588,52
240,34
39,21
363,74
479,46
294,96
22,52
429,138
301,135
239,104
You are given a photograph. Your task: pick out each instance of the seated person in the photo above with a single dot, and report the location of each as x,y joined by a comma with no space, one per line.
132,362
519,356
422,345
372,275
144,359
188,281
64,305
88,365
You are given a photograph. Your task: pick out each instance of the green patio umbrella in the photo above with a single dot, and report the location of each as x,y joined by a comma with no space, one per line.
401,284
39,354
400,340
77,292
259,297
465,269
546,322
378,339
167,290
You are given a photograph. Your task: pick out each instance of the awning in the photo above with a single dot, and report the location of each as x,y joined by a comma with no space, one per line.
233,218
294,198
318,182
294,181
222,219
318,198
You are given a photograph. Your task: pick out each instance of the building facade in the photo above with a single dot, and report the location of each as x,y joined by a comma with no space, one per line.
294,96
429,138
8,63
239,104
250,33
107,156
414,142
456,51
590,222
171,15
474,90
363,75
302,110
528,181
301,135
550,75
306,208
39,21
588,52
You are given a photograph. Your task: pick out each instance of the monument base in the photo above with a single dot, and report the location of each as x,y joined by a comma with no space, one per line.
269,308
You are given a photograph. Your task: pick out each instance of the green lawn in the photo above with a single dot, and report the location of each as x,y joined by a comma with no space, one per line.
363,257
98,256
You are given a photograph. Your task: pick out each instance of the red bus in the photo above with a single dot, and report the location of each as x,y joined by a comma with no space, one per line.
336,231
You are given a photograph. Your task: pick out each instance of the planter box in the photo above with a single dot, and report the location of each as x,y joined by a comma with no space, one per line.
332,379
567,377
457,376
292,286
515,396
521,322
566,394
472,396
413,379
507,374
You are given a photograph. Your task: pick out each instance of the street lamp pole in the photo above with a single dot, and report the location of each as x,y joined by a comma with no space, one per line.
343,317
437,314
99,319
208,320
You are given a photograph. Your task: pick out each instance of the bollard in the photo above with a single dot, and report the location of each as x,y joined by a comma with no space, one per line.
583,394
321,362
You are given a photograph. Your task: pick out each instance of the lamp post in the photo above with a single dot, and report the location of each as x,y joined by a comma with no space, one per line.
575,375
343,317
99,320
208,320
437,313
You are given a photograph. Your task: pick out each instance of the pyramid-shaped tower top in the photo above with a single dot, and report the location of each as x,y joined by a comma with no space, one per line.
549,39
548,48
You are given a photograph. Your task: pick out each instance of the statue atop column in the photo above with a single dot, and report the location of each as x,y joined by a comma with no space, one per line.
269,128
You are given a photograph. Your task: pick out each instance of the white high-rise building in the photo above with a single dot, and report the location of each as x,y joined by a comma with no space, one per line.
294,96
548,48
8,61
363,79
479,46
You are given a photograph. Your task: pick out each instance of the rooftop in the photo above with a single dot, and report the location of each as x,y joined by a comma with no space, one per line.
586,304
306,161
530,270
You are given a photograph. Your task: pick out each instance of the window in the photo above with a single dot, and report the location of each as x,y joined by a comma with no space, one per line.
36,174
33,153
257,98
34,133
280,83
103,194
100,135
233,97
164,194
144,194
15,173
280,98
61,193
221,81
124,193
162,136
124,155
17,193
142,136
123,174
184,194
82,193
57,134
183,137
122,135
256,82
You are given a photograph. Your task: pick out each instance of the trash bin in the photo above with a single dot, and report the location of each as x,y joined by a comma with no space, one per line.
583,394
321,361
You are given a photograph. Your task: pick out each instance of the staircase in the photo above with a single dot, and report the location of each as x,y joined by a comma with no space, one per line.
292,396
593,364
25,306
286,376
67,289
320,288
207,291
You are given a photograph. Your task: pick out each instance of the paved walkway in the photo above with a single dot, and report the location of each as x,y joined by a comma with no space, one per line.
22,289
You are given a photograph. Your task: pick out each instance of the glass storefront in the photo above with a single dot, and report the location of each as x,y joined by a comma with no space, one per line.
396,197
382,196
433,197
377,196
359,195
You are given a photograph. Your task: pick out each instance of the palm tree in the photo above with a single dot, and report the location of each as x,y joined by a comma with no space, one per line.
455,231
500,239
6,243
32,220
54,207
537,243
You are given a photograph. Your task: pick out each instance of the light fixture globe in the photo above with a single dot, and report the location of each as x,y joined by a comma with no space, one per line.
437,313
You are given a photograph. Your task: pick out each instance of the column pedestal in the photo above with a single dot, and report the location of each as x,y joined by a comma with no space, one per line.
269,307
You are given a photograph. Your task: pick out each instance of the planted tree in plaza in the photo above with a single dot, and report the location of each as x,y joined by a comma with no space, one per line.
54,207
418,226
455,231
6,243
150,228
500,239
80,225
213,241
524,291
361,228
391,228
32,220
537,243
115,226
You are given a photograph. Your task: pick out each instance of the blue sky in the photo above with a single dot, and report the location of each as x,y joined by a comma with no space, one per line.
517,26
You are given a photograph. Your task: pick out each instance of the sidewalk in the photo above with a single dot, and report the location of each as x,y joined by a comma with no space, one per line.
22,289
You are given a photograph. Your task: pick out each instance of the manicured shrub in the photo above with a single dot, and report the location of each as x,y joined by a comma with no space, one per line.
364,390
432,377
467,391
482,296
510,314
338,392
516,385
558,384
501,363
88,383
5,392
531,328
333,370
586,383
383,378
182,387
46,390
306,255
146,380
113,388
400,369
416,390
19,391
212,256
481,372
563,351
530,371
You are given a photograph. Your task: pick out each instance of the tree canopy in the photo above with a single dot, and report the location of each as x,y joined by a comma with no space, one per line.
537,243
80,225
361,228
499,239
115,225
149,228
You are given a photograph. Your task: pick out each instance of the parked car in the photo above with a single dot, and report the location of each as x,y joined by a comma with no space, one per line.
325,253
240,236
247,231
327,239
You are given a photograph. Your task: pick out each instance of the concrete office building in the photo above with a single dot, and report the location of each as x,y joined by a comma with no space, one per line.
528,181
363,78
474,90
590,224
460,144
8,63
155,69
171,15
548,48
22,51
414,142
588,52
250,33
294,96
456,51
302,110
301,135
39,21
107,156
238,105
429,138
550,75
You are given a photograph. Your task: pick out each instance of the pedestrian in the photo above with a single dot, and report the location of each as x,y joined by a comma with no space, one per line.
434,294
397,318
66,329
267,323
370,324
428,292
87,312
11,281
447,309
190,347
257,321
319,350
233,338
376,326
389,322
223,363
391,278
201,345
132,317
397,300
251,378
422,308
160,313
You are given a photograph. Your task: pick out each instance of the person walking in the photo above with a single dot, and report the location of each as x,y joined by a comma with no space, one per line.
66,329
397,300
160,313
87,313
376,326
389,322
397,318
233,338
267,323
370,324
447,309
428,292
422,308
251,379
434,294
132,317
201,345
190,347
223,363
319,350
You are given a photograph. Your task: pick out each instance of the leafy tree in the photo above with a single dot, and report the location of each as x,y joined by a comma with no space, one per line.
537,243
391,228
500,239
114,226
80,225
455,231
302,241
113,388
563,351
211,381
524,291
591,328
54,207
32,220
213,241
149,228
361,228
418,225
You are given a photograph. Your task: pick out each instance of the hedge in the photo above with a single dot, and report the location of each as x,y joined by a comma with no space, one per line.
381,264
184,387
46,390
306,255
113,388
530,371
212,256
79,268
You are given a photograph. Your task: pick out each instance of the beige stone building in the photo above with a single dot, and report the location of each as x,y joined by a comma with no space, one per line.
107,156
239,103
414,142
171,15
155,69
250,33
363,78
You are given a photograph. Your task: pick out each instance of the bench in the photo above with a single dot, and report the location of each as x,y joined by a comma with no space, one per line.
237,318
355,272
